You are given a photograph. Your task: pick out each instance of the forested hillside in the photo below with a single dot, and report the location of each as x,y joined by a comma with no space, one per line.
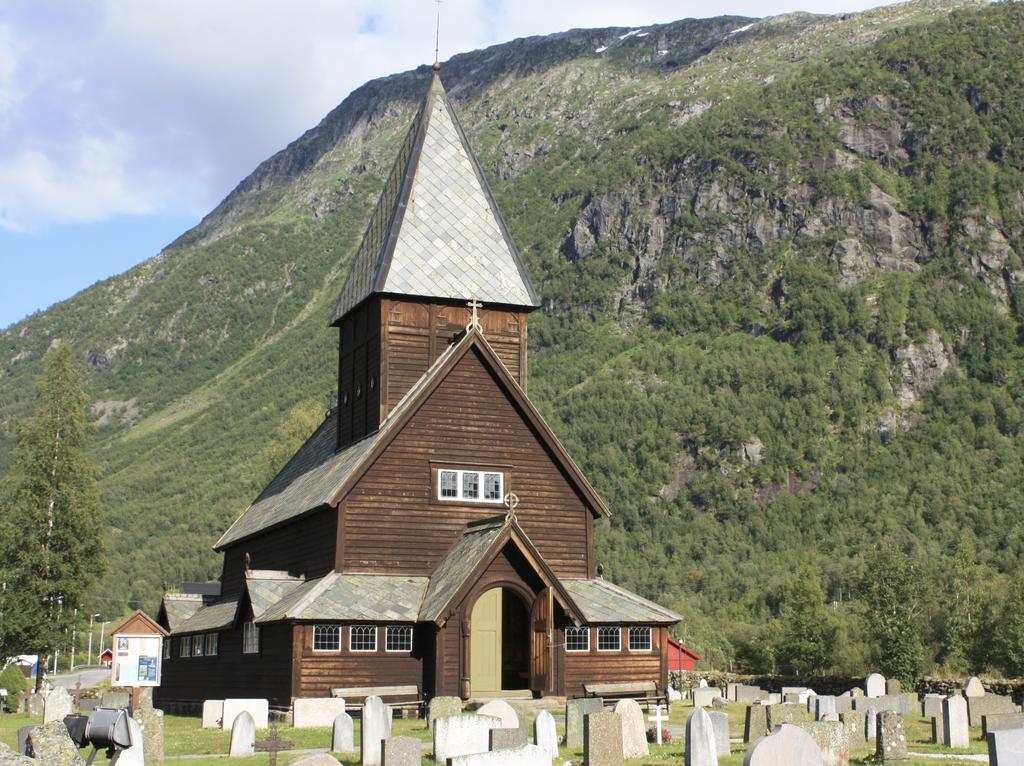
780,265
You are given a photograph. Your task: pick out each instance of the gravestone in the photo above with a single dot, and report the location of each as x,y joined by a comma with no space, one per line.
507,739
746,693
375,728
50,744
893,686
23,732
400,751
316,712
897,703
575,711
956,730
701,749
527,755
824,706
87,705
213,712
257,708
703,683
791,699
974,687
720,725
501,710
443,707
938,730
634,730
793,689
136,754
871,724
855,725
719,702
36,703
806,694
545,734
9,758
931,705
674,695
730,691
462,735
602,740
756,723
1001,722
705,696
788,745
856,691
343,734
58,704
843,703
243,735
831,739
115,699
772,698
151,723
1006,748
891,743
780,714
874,685
988,705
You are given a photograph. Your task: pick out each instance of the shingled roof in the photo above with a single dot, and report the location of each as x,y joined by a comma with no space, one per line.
602,602
436,231
176,608
336,596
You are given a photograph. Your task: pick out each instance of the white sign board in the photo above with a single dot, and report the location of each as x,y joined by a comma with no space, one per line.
136,660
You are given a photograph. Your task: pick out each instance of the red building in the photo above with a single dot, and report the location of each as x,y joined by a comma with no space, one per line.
679,657
106,658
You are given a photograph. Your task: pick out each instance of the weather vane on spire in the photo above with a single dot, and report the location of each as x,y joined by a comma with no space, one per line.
437,37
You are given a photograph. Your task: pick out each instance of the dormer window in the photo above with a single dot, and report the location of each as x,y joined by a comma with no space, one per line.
470,486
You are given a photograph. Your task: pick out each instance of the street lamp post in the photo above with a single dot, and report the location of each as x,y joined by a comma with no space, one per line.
102,626
91,618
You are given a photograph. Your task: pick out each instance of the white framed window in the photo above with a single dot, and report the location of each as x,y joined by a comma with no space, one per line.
577,639
398,638
326,638
250,638
197,646
639,639
167,648
212,644
362,638
609,639
185,646
474,486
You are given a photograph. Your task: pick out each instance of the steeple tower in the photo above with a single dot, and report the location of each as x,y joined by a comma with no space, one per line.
435,242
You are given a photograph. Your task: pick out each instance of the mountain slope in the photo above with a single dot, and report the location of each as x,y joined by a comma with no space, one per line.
785,253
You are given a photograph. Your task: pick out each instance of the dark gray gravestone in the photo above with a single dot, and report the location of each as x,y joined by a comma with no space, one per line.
602,740
891,744
1001,722
756,723
400,751
506,739
988,705
575,710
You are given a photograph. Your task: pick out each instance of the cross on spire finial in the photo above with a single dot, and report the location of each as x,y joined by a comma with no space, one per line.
474,321
511,502
437,38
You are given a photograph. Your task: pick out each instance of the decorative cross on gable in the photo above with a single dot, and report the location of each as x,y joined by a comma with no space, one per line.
474,320
274,744
511,502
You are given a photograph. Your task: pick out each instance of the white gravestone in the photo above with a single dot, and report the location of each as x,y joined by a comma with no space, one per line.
375,728
704,696
956,730
501,710
343,738
1006,748
243,735
258,709
674,695
134,755
213,712
58,703
527,755
545,734
634,732
720,725
462,735
700,740
825,705
974,687
316,712
788,745
874,685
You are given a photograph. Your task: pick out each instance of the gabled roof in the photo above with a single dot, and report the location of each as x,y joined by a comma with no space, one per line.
139,623
685,650
216,616
266,587
318,476
602,602
436,231
175,608
336,596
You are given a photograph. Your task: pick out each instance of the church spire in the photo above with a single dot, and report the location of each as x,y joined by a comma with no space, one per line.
436,231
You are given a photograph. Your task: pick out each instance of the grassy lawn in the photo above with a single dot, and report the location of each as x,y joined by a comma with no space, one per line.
183,736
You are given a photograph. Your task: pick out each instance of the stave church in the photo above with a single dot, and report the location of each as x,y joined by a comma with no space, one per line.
433,536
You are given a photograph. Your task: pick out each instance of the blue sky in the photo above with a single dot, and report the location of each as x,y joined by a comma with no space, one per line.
122,122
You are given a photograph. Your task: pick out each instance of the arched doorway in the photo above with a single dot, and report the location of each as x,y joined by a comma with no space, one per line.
499,643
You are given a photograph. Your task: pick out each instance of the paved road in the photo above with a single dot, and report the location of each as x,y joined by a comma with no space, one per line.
87,677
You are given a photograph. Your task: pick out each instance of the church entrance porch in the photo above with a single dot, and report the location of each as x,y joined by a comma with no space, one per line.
499,644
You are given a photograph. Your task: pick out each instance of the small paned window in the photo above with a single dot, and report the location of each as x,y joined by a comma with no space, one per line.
639,639
577,639
197,646
250,638
474,486
326,638
185,646
398,638
492,486
362,638
167,648
448,484
609,639
212,642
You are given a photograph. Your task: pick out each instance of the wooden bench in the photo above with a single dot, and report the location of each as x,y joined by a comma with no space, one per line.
405,698
644,692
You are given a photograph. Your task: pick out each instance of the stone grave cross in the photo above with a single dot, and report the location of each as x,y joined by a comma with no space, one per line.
657,719
274,744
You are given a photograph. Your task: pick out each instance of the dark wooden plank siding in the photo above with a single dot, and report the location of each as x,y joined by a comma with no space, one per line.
359,373
303,547
579,668
191,680
393,521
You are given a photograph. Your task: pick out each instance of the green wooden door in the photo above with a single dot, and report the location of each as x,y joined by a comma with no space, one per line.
485,643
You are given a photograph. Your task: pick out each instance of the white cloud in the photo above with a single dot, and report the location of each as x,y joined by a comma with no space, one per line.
163,106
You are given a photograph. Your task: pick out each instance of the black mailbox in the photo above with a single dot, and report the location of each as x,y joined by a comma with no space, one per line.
108,727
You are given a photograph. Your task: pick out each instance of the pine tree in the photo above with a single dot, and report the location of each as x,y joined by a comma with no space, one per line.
891,589
809,627
50,537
